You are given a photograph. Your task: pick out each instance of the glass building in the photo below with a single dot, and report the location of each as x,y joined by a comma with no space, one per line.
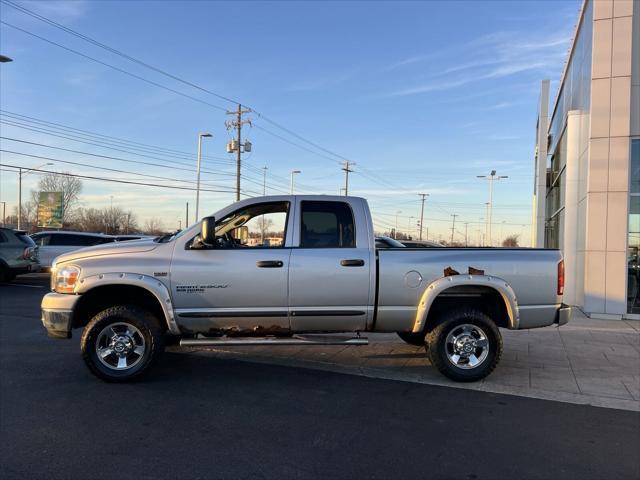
587,162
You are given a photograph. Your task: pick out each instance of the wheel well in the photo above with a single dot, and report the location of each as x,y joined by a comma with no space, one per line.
486,299
99,298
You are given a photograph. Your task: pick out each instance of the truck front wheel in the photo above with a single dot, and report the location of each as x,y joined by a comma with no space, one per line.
121,343
465,346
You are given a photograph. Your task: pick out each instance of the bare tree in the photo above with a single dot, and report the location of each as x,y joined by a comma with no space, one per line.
111,220
153,226
29,216
114,218
61,182
511,241
89,220
264,224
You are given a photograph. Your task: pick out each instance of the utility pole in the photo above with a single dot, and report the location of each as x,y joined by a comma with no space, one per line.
423,195
453,226
264,180
395,231
19,198
492,177
237,145
347,170
4,212
486,222
200,137
293,172
466,236
186,218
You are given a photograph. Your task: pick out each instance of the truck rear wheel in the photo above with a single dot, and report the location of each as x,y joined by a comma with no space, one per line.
465,346
411,338
121,343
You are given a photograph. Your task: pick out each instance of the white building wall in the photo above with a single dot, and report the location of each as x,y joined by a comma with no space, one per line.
574,207
608,164
540,194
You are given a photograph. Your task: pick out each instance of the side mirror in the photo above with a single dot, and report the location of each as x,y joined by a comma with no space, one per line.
208,231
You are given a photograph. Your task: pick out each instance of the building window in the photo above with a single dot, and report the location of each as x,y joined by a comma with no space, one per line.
633,249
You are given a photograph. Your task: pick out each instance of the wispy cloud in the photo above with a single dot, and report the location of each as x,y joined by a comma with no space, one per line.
503,54
59,9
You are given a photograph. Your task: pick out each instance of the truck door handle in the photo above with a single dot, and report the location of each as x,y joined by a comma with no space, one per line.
270,264
352,263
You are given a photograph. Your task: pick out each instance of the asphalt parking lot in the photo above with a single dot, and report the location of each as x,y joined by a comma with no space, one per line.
202,416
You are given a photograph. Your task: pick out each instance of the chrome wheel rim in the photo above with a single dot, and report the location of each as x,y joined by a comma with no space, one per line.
467,346
120,346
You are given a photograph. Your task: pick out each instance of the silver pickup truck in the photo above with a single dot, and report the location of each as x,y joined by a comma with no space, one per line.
282,270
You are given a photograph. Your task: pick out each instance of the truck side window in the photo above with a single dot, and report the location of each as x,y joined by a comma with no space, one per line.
327,225
257,226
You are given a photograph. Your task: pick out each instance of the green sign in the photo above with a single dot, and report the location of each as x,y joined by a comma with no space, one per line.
50,209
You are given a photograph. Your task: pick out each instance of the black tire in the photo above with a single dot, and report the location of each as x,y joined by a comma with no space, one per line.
5,274
439,351
411,338
149,337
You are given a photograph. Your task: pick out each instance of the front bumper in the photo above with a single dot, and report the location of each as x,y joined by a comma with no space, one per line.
565,312
57,314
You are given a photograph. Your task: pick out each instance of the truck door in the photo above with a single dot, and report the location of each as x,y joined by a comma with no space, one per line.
242,281
329,272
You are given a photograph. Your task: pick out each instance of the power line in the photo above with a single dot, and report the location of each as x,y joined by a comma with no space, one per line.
103,156
108,145
113,180
113,50
107,138
94,143
115,170
126,160
118,69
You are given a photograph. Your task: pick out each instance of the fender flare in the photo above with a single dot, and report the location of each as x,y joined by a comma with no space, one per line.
444,283
152,285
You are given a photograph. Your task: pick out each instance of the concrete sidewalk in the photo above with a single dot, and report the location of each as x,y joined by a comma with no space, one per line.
594,362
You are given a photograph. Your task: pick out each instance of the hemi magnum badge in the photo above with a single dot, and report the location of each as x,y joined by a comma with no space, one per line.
160,274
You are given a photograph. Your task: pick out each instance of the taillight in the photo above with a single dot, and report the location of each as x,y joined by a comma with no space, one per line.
561,277
27,254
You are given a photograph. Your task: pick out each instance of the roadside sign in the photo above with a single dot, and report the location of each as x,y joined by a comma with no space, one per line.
50,209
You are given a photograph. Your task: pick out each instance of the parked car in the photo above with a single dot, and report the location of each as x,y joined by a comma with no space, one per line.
54,243
18,254
209,285
421,244
388,242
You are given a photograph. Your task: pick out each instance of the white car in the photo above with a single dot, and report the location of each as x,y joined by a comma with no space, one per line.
54,243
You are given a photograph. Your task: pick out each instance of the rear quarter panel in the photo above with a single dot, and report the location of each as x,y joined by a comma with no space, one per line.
404,274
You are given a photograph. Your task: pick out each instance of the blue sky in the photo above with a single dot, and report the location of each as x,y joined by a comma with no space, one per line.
423,96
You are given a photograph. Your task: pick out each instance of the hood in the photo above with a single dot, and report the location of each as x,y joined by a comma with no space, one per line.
116,248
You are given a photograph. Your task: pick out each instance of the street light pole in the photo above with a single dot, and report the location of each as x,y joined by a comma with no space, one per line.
200,137
492,177
293,172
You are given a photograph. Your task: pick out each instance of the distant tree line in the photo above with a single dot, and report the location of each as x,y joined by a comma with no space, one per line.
110,220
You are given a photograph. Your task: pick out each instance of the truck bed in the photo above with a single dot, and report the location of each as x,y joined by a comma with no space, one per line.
404,273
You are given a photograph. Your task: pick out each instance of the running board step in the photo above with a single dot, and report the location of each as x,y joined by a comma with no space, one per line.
295,340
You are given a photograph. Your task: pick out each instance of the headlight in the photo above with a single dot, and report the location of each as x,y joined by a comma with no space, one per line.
65,278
